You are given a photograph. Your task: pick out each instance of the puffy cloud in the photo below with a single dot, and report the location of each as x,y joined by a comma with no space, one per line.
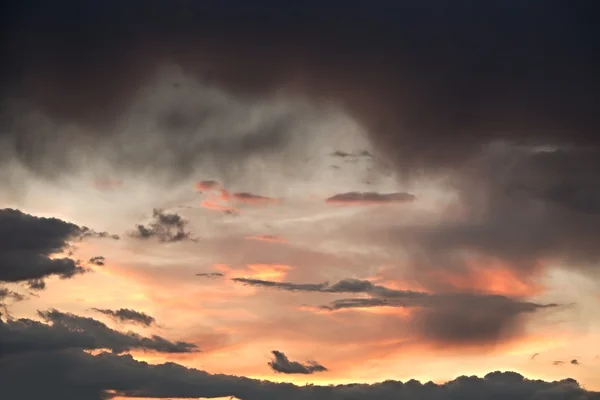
72,374
281,363
128,315
368,198
166,227
28,245
69,331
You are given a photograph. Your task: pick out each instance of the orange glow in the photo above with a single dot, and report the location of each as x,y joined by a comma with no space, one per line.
490,276
213,205
270,272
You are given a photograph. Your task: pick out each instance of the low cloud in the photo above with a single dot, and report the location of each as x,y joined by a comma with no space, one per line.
370,198
128,315
280,363
68,331
36,284
77,375
166,227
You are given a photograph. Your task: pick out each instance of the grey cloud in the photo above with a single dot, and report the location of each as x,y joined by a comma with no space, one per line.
36,284
455,318
128,315
166,227
72,374
27,242
69,331
9,294
97,260
281,363
371,198
575,362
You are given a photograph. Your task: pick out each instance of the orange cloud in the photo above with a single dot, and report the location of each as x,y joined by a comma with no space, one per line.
219,195
490,276
271,272
267,238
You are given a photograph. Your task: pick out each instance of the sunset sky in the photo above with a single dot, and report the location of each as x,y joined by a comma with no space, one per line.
199,196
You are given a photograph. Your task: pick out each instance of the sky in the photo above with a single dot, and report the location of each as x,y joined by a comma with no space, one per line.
314,200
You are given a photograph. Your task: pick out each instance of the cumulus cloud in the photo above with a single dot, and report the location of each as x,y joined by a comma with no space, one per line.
72,374
28,245
456,318
69,331
281,363
368,198
166,227
128,315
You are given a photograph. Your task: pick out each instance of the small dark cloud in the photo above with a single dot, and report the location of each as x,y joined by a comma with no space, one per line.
534,356
558,362
68,331
166,227
575,362
280,363
97,260
9,294
27,244
36,284
368,198
210,274
128,315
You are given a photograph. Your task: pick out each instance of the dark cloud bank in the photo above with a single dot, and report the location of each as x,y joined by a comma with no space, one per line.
128,315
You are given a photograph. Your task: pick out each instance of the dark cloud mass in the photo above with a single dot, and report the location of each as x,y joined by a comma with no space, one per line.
69,331
128,315
280,363
441,318
97,260
27,244
76,375
166,227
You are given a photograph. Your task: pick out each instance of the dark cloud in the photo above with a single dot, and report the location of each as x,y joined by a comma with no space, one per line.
575,362
72,374
9,294
28,242
128,315
166,227
361,198
69,331
97,260
280,363
455,318
210,274
462,76
36,284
